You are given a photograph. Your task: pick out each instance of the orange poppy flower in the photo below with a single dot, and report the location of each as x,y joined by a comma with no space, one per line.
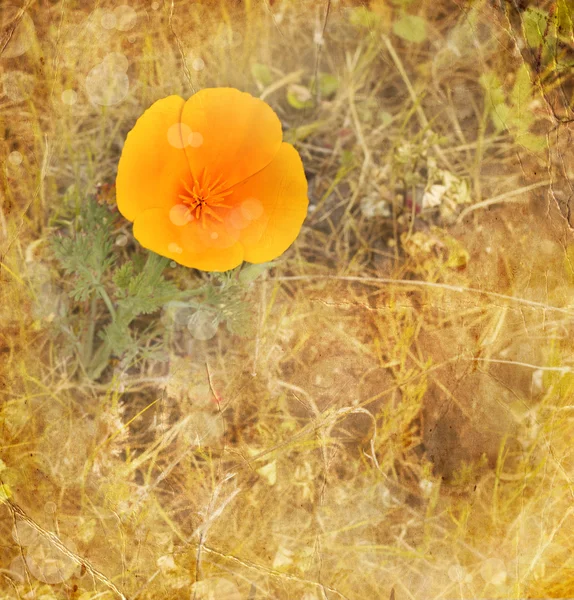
209,183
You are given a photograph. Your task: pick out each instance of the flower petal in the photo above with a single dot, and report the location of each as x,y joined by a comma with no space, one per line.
229,134
270,207
190,245
153,162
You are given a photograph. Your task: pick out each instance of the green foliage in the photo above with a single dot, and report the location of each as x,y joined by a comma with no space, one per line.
262,74
411,28
512,111
139,292
87,260
534,23
302,96
299,96
363,17
543,32
86,254
230,301
564,21
134,289
328,84
250,273
146,291
123,275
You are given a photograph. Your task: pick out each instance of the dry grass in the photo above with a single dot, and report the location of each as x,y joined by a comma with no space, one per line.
401,418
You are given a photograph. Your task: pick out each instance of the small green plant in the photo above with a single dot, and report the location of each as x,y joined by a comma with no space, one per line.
131,289
513,111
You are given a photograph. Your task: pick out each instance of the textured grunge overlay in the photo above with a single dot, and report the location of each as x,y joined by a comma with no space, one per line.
385,411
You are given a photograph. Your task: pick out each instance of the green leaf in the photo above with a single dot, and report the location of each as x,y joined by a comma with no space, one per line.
251,272
569,262
299,134
534,21
501,116
411,28
386,117
363,17
494,94
86,254
521,94
328,84
564,24
123,275
117,334
299,97
146,291
532,142
262,74
522,90
5,492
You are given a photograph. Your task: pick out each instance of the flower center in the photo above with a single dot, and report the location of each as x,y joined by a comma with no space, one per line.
203,198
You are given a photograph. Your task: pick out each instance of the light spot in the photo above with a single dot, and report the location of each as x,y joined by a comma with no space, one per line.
203,325
50,507
18,569
228,39
126,17
48,564
457,573
426,486
198,64
493,571
236,218
108,20
175,248
215,588
17,85
251,209
69,97
131,39
24,534
538,380
195,139
106,85
121,240
214,235
178,135
204,429
154,5
180,215
173,264
318,38
116,61
15,158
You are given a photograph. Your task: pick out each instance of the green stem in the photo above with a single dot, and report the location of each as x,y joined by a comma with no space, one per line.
89,340
152,270
104,296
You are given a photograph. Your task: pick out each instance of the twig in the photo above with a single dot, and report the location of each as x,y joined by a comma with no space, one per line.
420,113
320,42
442,286
276,85
54,539
249,565
179,46
506,197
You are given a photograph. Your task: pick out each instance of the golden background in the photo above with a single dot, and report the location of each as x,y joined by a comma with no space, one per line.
397,423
